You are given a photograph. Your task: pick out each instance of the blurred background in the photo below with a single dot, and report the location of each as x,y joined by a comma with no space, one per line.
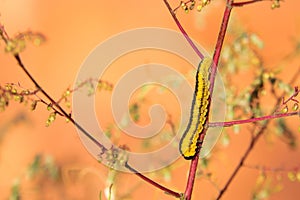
38,162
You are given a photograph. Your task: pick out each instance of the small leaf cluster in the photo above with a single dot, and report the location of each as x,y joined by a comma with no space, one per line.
18,43
41,169
275,4
265,187
115,156
242,55
267,184
284,132
242,52
91,85
291,100
11,91
15,191
192,4
134,110
15,92
44,165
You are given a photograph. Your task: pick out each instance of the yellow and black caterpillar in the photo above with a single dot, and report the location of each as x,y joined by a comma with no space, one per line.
189,142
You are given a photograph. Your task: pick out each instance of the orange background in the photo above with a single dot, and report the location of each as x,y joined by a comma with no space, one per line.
73,29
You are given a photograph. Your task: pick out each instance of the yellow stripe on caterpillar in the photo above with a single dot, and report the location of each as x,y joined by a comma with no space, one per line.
189,142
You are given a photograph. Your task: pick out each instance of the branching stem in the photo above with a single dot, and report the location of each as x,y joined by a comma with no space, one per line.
251,145
56,105
216,57
87,134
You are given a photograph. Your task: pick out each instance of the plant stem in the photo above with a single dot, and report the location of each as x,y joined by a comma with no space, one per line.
219,45
77,125
20,63
5,38
191,178
184,33
241,163
168,191
216,57
245,121
240,4
252,144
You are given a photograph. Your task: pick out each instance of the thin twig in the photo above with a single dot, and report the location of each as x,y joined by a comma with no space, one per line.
252,145
184,33
272,169
244,3
246,121
65,114
87,134
168,191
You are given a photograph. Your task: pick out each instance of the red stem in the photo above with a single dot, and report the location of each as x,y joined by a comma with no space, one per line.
216,57
245,121
240,4
219,45
168,191
251,146
191,178
184,33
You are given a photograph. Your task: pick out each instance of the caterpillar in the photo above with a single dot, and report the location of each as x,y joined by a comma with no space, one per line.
188,145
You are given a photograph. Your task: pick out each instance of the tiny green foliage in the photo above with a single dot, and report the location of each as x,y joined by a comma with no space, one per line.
16,92
17,44
204,163
109,131
15,191
91,85
43,165
182,197
51,119
265,187
33,105
275,4
51,167
285,133
34,167
100,195
116,157
190,5
225,139
134,112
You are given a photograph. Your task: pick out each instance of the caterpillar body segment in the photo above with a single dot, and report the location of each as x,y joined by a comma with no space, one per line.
189,142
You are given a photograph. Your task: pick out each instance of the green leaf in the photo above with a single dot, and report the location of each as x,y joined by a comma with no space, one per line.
100,195
15,191
256,41
134,111
34,167
236,129
51,168
225,139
